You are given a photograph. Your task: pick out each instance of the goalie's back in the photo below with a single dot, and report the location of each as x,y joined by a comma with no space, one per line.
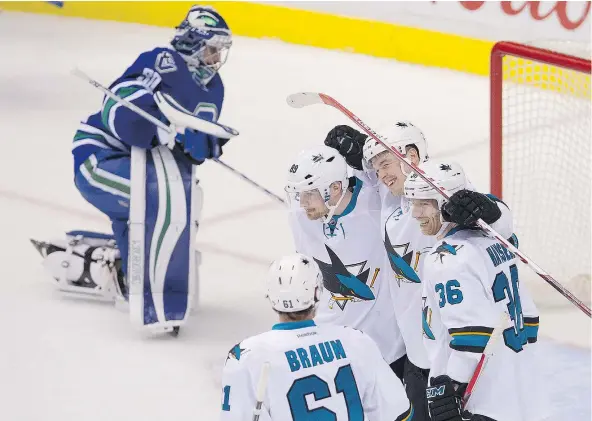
316,372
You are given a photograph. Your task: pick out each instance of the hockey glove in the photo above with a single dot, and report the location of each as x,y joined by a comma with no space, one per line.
200,146
349,142
444,399
465,207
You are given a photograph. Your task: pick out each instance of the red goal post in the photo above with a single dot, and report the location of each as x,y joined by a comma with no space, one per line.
540,147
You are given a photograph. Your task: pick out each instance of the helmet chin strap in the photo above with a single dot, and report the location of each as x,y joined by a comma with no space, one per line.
333,208
446,226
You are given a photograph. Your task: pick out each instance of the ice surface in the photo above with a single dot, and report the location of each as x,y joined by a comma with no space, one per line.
64,359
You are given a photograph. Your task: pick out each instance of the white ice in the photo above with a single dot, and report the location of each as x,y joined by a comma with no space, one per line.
64,359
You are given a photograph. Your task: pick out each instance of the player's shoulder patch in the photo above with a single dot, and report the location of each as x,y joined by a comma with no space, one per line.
445,249
237,352
165,62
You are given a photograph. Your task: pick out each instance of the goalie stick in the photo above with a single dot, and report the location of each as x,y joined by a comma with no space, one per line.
207,126
304,99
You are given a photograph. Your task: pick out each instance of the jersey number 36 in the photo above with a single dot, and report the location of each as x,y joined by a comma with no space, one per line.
515,337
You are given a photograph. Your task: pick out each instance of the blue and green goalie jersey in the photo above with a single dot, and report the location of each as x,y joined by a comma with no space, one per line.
117,128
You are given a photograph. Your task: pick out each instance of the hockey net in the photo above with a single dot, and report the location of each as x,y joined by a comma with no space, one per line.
540,158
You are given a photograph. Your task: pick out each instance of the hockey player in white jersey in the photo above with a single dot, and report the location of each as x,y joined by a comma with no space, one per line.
404,243
335,219
316,372
471,280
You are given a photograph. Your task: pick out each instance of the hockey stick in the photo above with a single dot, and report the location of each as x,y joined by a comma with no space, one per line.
208,126
248,180
261,388
304,99
199,124
487,353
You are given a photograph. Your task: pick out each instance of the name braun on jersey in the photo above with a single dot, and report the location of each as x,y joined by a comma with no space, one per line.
323,352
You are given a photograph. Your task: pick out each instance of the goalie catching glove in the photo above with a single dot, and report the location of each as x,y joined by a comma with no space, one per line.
465,207
349,143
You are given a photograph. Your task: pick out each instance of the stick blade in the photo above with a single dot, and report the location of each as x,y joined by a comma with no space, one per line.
303,99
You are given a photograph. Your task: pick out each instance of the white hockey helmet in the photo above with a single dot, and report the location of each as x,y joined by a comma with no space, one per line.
400,135
446,174
318,168
294,283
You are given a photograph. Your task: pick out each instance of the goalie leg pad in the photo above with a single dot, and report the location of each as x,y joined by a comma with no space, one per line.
162,261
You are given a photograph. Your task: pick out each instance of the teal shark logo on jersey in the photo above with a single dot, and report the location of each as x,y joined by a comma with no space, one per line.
426,320
397,214
446,249
343,285
236,352
401,265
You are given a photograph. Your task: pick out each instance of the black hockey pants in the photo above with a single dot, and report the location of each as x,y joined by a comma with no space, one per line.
415,380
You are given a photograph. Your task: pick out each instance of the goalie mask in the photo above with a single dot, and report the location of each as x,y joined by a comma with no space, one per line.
294,283
311,177
203,39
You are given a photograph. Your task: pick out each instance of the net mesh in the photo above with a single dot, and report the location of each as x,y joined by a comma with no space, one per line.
546,141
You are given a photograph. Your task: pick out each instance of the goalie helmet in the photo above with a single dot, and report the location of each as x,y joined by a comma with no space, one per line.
446,174
294,283
203,39
316,169
400,135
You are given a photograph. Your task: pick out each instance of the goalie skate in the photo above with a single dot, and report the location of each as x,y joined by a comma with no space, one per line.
85,265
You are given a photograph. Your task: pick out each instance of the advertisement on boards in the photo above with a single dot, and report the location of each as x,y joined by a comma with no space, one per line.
489,20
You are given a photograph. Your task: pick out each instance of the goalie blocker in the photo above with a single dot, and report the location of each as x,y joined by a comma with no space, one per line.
151,260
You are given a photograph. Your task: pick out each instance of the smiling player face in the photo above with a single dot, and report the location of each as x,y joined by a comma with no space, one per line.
426,212
388,170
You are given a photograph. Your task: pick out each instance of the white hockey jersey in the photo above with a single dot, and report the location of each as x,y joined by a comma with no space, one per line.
470,281
316,372
406,246
351,256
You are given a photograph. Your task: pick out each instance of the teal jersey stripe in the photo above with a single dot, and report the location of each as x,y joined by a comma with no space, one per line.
80,134
107,182
122,93
531,327
469,340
